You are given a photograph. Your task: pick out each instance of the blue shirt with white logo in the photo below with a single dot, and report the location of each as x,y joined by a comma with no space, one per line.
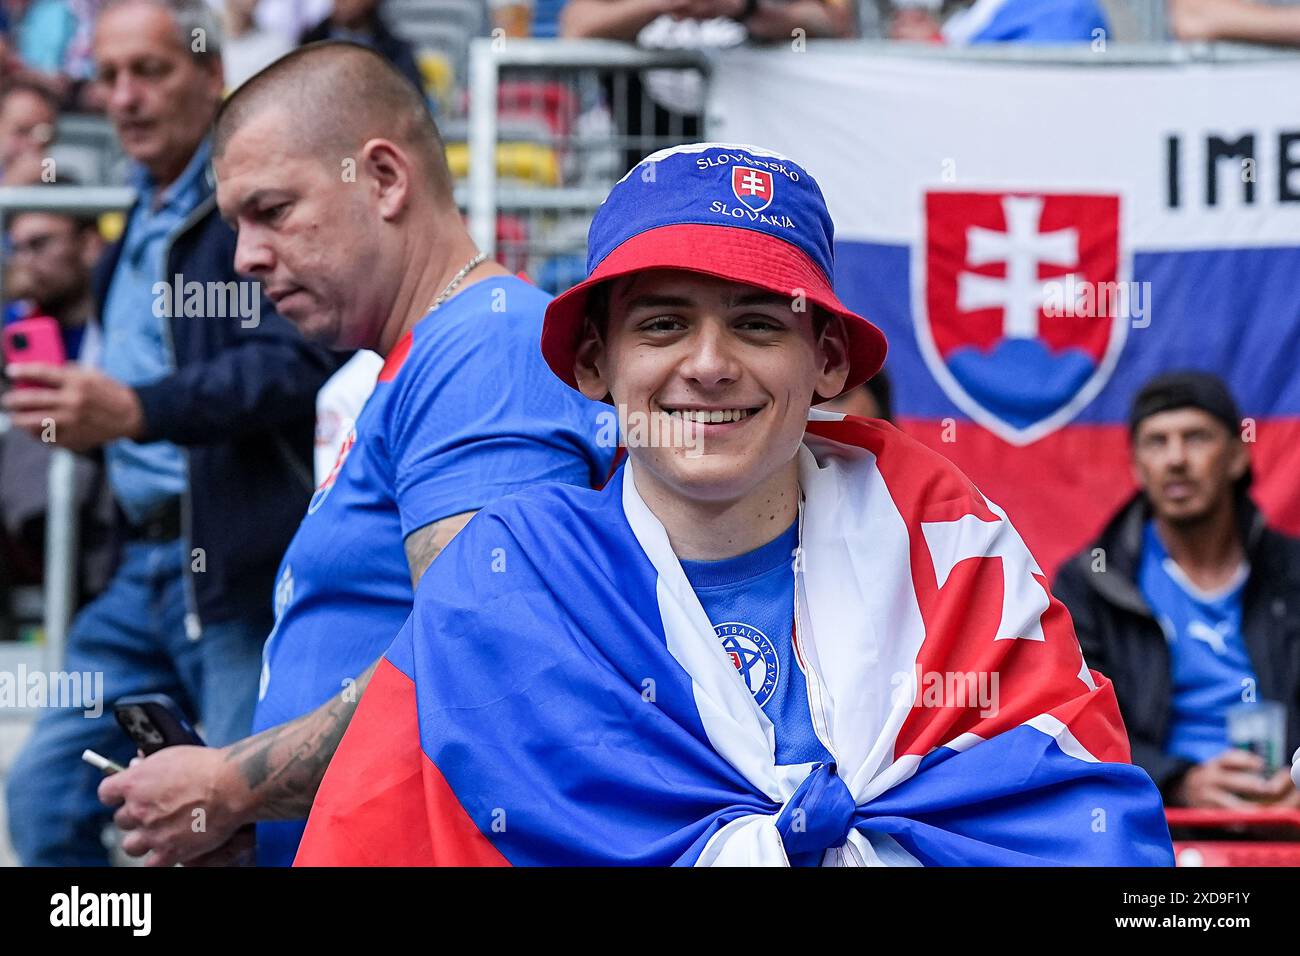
1209,665
750,601
136,350
464,412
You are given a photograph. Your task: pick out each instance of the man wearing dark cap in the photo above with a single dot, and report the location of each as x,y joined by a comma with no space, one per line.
1190,604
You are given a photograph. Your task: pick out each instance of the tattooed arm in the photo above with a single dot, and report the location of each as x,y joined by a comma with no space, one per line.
282,767
424,544
185,802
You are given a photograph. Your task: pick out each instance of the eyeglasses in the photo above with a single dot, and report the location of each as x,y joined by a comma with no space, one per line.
41,134
33,246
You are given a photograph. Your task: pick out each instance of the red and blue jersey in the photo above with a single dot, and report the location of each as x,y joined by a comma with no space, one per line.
464,412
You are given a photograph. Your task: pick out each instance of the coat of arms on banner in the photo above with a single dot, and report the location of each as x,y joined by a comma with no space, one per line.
1019,305
751,186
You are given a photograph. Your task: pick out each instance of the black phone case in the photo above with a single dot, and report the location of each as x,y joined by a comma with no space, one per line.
163,724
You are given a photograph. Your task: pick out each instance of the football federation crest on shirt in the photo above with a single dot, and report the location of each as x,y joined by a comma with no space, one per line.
1020,309
753,187
754,657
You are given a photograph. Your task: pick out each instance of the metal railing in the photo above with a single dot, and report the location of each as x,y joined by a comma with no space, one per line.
572,77
531,223
61,519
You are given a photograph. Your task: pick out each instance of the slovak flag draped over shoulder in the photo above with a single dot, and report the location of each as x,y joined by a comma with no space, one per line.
559,696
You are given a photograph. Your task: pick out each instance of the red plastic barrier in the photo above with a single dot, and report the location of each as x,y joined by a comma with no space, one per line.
1210,852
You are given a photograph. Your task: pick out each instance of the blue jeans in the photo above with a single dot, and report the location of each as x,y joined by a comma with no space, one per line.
134,634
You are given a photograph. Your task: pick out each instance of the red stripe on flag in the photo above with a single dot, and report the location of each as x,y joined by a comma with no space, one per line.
961,655
383,802
1061,490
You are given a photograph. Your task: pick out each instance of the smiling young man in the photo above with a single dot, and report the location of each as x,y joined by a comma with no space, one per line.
728,655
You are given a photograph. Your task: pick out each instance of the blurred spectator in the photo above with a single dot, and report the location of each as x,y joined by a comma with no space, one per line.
998,21
205,415
50,257
677,96
28,114
1027,21
1240,20
360,22
917,20
248,47
290,18
50,42
44,29
546,19
1189,603
872,399
79,55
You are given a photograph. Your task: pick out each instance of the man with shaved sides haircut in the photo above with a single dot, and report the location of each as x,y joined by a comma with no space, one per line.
332,171
202,400
349,101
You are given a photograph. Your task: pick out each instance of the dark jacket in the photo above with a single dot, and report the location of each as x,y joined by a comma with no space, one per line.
386,43
1121,638
241,405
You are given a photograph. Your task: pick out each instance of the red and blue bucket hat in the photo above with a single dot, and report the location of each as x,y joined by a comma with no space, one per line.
735,212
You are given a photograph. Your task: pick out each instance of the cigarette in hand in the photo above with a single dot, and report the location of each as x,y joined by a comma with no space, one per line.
101,763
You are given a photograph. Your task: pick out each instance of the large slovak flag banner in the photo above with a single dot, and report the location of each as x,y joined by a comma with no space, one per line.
1038,240
559,695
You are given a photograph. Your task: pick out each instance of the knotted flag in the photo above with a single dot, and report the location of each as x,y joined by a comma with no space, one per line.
559,696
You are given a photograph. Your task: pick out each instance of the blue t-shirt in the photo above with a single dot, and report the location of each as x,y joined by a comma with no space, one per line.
137,349
1209,664
464,412
750,602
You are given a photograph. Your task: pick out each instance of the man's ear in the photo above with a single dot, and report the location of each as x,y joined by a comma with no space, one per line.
216,75
1139,477
389,171
1240,460
832,358
589,363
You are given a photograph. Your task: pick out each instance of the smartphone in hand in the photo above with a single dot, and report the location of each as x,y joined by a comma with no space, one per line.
154,721
35,339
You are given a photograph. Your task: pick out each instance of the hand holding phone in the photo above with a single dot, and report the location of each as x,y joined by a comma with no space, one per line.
35,339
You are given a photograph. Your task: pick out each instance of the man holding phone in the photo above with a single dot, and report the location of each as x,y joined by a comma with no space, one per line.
50,260
206,423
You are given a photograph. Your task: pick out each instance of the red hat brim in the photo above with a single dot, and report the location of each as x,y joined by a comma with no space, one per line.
727,252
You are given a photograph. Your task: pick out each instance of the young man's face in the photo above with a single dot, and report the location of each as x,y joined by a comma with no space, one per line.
1186,461
729,369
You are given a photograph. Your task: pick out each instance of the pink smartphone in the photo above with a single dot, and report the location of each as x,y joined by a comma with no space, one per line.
36,339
